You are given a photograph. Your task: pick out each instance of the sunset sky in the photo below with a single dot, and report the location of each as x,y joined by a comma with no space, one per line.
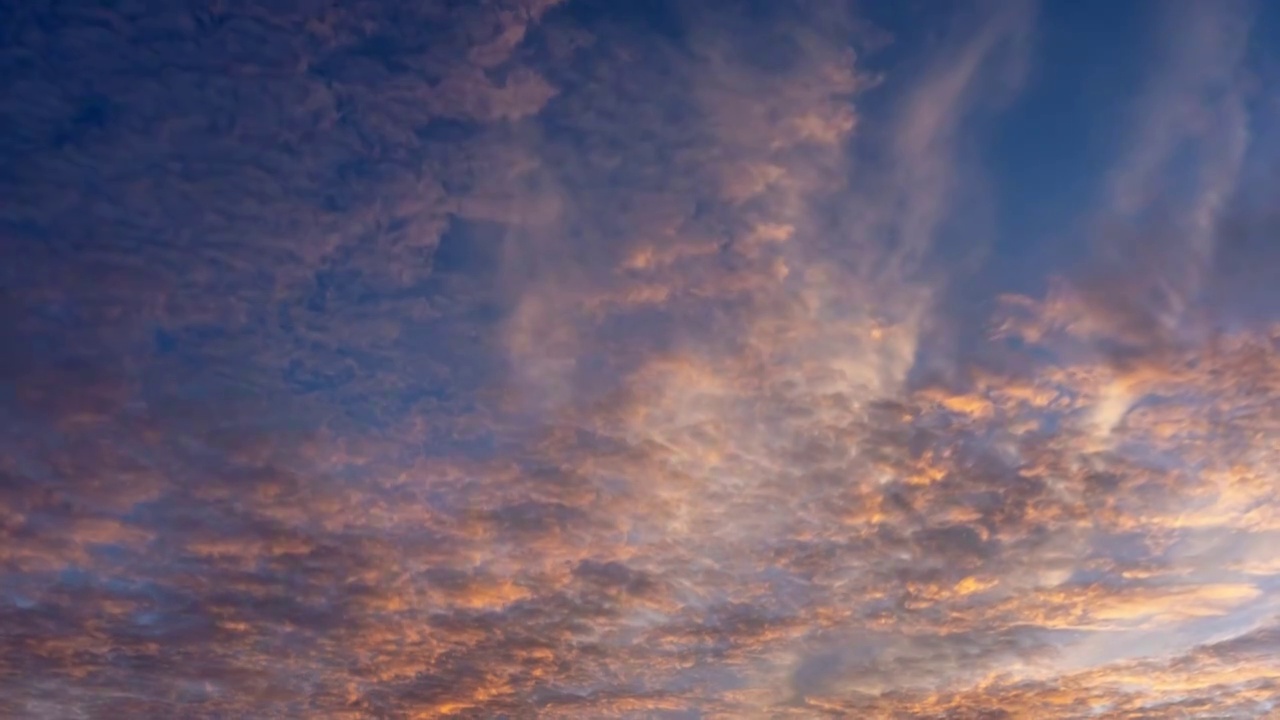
671,359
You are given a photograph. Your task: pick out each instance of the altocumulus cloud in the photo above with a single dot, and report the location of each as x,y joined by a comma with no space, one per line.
538,358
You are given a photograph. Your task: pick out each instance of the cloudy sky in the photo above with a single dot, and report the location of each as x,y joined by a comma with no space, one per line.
639,359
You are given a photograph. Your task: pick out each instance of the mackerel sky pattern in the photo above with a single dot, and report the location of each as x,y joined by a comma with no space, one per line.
639,359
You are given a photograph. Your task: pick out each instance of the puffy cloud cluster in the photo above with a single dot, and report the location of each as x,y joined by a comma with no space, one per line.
533,359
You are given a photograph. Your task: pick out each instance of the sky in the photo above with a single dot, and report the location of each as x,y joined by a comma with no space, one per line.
639,359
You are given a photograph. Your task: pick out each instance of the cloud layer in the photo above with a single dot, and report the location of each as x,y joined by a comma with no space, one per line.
572,359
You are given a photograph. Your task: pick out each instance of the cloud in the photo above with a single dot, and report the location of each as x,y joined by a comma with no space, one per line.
548,359
1171,189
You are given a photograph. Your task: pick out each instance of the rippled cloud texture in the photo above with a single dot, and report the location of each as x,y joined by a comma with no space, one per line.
639,359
